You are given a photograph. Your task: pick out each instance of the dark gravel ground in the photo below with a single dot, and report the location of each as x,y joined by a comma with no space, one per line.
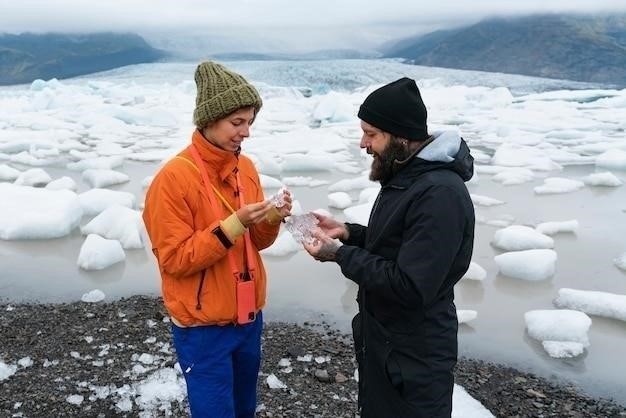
95,351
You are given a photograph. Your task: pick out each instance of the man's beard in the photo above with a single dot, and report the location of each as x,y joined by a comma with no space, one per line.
383,166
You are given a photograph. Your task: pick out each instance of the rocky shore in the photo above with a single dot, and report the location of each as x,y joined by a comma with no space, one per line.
116,359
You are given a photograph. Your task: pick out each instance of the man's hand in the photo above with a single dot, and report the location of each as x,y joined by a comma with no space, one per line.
324,248
331,227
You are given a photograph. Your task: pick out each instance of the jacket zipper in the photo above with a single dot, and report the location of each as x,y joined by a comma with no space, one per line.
198,304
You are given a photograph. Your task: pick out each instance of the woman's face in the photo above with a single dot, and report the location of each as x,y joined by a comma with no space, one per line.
229,132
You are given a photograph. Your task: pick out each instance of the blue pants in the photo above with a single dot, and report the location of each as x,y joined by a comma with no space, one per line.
221,367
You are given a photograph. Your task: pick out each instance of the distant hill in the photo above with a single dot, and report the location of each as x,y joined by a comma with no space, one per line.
26,57
581,48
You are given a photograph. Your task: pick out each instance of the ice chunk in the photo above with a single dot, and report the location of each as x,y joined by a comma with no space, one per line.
98,253
95,295
527,265
464,316
563,349
301,227
274,383
285,244
485,200
278,199
104,178
605,179
552,228
119,223
612,159
339,200
520,237
605,304
554,185
558,325
63,183
474,272
36,177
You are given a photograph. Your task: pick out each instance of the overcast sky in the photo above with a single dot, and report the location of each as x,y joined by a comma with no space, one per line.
313,23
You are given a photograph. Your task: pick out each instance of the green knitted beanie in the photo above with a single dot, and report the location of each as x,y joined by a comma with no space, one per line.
220,93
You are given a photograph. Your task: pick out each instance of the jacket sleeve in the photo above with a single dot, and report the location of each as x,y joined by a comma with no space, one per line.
356,235
180,249
434,228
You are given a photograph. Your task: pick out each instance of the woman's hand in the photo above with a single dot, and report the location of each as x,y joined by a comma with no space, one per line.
332,227
253,213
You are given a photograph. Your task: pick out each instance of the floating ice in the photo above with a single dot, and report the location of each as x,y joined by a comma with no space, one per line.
34,213
303,181
98,253
118,223
530,265
36,177
63,183
612,159
606,179
285,244
484,200
8,173
474,272
558,325
270,182
339,200
104,163
104,178
520,237
513,176
563,349
464,316
605,304
347,185
554,185
359,214
553,228
95,201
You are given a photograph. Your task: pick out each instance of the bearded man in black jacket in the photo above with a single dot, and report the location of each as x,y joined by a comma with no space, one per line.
416,247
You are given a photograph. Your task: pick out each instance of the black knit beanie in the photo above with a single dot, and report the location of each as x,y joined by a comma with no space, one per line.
397,108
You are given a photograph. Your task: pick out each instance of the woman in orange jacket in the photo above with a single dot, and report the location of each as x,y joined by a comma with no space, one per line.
207,219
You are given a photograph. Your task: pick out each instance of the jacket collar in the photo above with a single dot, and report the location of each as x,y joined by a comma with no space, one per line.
222,162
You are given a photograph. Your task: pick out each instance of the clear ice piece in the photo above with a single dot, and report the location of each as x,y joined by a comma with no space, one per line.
278,200
301,227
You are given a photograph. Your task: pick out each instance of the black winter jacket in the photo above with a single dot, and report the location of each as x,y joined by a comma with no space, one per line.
417,246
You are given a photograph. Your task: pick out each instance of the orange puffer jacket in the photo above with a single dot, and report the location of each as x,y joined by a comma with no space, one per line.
181,225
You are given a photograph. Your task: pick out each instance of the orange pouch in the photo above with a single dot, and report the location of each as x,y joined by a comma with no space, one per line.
246,302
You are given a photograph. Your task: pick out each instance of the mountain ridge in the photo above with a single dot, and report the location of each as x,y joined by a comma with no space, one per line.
27,57
579,48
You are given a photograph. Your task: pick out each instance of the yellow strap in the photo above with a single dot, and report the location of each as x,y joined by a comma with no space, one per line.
214,189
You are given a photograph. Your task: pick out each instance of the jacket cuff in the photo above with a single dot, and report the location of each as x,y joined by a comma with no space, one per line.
232,227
